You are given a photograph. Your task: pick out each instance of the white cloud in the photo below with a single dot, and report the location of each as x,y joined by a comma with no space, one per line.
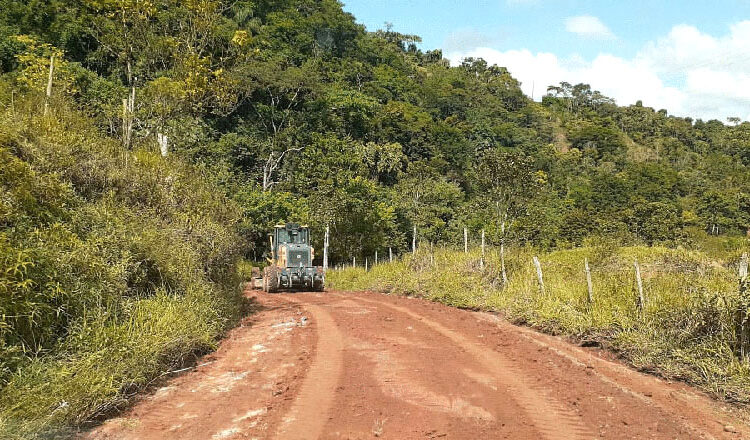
687,72
588,26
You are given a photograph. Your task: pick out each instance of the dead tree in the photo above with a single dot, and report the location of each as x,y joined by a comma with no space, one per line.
273,162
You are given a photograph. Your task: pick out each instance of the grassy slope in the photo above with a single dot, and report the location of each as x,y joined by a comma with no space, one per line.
114,268
685,332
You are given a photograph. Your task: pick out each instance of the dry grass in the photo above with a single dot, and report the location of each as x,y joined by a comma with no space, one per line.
686,330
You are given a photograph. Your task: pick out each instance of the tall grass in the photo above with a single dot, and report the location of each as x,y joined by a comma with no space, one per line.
686,330
115,267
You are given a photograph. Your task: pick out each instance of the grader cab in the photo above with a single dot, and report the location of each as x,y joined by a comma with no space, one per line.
291,263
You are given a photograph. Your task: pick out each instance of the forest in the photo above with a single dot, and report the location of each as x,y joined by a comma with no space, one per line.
149,145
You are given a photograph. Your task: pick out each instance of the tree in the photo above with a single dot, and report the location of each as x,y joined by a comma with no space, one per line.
427,201
277,93
509,181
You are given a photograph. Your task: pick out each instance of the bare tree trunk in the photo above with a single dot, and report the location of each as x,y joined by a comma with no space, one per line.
125,122
466,241
131,114
128,116
390,255
49,84
272,163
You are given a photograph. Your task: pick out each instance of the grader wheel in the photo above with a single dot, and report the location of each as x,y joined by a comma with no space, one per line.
271,279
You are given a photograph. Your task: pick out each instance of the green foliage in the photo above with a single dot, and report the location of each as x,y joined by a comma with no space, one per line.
287,103
114,266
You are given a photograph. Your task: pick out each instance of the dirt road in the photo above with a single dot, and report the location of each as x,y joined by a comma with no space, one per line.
360,366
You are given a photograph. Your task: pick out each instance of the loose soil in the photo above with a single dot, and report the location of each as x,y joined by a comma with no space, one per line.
340,365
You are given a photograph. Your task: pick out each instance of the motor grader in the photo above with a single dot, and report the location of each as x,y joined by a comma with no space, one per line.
290,266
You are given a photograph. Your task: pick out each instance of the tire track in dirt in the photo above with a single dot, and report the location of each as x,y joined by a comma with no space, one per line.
552,419
241,391
643,387
310,410
367,365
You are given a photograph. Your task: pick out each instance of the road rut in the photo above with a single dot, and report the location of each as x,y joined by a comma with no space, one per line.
357,365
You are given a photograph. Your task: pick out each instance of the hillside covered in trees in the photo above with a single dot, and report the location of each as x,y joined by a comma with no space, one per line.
279,111
299,113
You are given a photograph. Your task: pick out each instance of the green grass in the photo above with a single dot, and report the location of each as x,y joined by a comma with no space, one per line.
686,330
107,362
116,267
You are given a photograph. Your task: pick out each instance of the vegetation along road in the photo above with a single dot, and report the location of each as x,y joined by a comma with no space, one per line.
363,365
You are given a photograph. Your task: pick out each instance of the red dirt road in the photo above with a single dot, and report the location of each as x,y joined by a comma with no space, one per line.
360,366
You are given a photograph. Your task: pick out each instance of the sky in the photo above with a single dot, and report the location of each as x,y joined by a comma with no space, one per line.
689,57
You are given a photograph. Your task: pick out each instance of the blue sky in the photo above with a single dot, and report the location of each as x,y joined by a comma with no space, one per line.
691,57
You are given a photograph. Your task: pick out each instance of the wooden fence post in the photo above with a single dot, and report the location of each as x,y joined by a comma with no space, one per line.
325,249
639,282
744,337
589,284
502,254
354,261
376,259
390,255
539,275
466,241
366,265
481,261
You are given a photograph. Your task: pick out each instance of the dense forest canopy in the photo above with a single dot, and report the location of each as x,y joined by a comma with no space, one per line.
300,114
